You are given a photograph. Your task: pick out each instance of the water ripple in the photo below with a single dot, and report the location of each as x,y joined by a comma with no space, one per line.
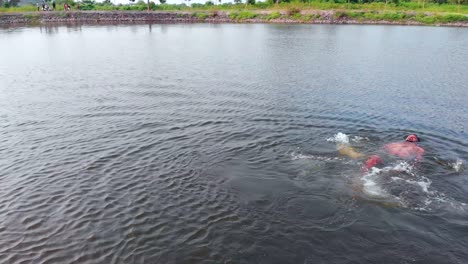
217,151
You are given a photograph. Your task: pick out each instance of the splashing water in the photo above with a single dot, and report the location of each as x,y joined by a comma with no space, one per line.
297,155
339,138
370,184
457,165
345,139
398,182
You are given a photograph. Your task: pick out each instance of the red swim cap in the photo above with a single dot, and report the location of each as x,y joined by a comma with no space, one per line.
412,138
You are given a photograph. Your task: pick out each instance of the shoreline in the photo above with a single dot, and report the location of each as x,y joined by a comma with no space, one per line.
177,17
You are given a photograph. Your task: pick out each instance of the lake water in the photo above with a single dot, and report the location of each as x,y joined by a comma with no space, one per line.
217,144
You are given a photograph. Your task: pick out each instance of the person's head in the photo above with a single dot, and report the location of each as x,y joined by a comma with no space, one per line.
412,138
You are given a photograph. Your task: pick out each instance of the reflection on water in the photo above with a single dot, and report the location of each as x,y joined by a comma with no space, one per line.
215,144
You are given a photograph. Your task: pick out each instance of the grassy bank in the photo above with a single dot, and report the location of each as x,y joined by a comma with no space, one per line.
422,18
243,16
344,15
419,6
395,12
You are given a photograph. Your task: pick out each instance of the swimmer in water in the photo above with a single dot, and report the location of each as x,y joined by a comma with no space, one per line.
408,150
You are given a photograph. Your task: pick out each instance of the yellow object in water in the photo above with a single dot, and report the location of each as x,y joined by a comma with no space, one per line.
347,150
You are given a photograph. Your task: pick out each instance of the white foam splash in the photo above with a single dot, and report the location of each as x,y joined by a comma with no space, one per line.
345,139
370,186
457,165
359,139
426,207
300,156
370,180
424,183
404,174
401,166
339,138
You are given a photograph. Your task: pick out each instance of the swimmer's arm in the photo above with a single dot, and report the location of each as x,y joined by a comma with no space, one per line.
419,154
451,165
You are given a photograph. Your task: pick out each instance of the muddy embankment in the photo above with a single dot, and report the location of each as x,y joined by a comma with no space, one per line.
113,17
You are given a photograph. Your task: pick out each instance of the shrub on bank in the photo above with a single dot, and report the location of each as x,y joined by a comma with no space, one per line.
450,18
450,6
400,16
273,15
243,15
87,5
201,16
296,16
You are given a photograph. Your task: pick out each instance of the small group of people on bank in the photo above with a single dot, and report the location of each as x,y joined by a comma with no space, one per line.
45,6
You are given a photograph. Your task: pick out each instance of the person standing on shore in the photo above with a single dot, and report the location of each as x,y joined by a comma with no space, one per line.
37,5
53,5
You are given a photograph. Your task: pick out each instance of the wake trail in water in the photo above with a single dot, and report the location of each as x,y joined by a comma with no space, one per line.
398,182
345,139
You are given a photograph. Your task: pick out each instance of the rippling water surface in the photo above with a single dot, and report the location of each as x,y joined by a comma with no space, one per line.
215,144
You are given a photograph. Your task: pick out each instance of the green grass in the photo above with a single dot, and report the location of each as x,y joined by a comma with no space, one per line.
377,6
450,18
401,16
273,15
296,16
289,8
27,8
372,15
243,15
430,13
201,16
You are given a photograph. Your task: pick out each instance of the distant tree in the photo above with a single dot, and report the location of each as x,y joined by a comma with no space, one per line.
162,2
209,3
237,2
251,2
13,3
